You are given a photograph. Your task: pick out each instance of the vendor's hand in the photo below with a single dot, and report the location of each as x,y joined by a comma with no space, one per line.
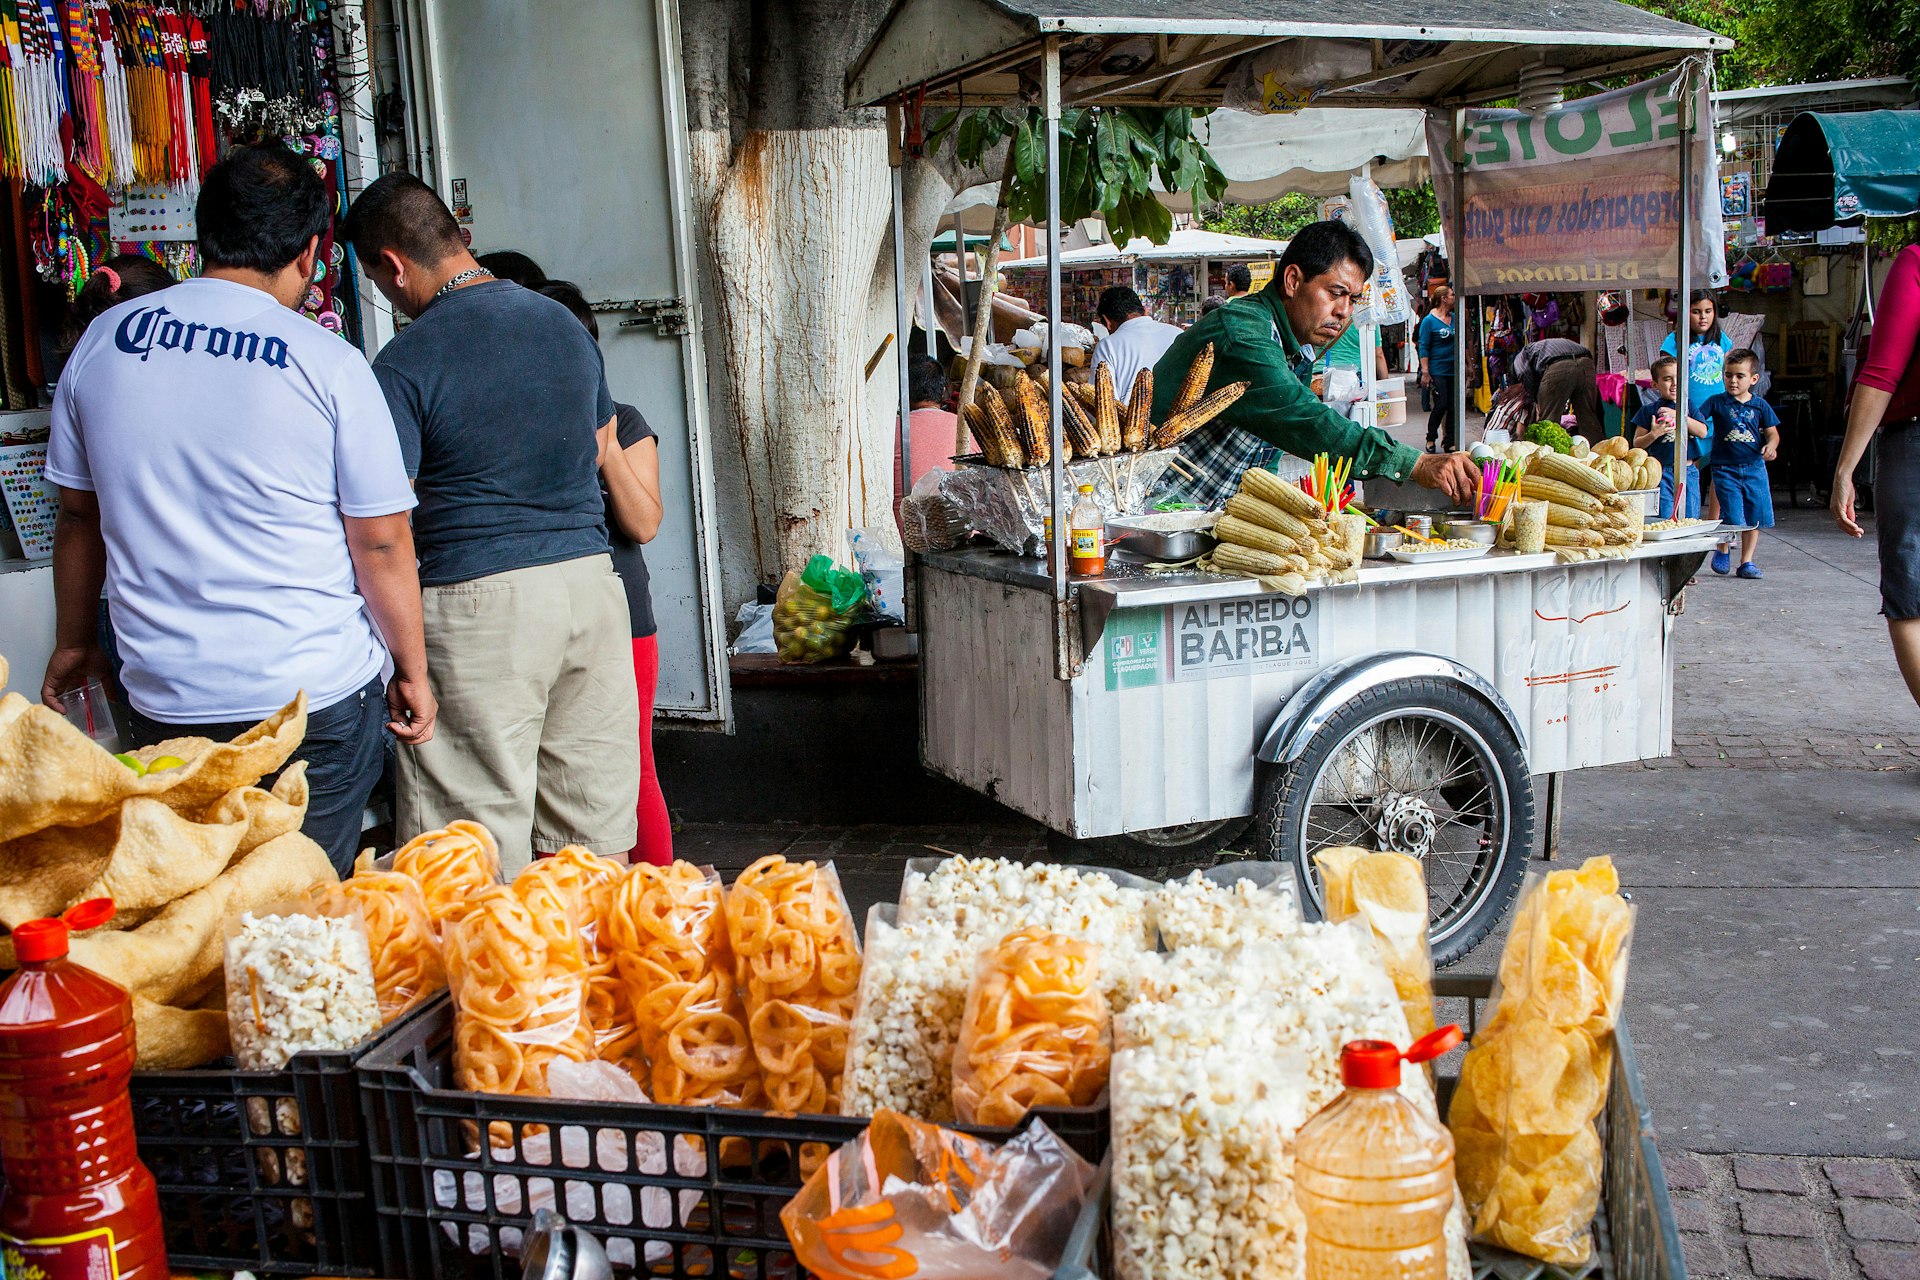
1455,474
1841,504
1426,379
69,668
1768,452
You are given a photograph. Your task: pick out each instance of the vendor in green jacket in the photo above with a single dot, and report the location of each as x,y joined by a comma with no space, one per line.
1257,339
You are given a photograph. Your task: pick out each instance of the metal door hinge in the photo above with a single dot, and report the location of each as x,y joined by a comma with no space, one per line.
668,315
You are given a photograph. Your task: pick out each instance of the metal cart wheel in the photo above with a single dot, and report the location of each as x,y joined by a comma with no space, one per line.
1424,767
1164,851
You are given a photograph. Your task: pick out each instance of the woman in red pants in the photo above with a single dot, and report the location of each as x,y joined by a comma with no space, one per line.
630,486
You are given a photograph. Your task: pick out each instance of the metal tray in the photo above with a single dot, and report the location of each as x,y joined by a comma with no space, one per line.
1651,534
1133,539
1405,556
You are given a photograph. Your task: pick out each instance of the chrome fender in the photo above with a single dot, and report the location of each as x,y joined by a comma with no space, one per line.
1309,709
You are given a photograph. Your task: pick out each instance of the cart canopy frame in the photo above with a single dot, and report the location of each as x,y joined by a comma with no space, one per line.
1165,53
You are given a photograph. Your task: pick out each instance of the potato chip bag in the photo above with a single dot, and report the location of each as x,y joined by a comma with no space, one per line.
1535,1079
1389,892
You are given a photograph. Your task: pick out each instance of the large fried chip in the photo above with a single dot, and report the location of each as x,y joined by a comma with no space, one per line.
52,774
267,815
170,1039
1336,878
169,957
1389,892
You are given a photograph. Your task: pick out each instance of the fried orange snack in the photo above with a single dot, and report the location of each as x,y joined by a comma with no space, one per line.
668,938
452,866
796,957
406,955
580,883
1526,1151
519,994
1036,1033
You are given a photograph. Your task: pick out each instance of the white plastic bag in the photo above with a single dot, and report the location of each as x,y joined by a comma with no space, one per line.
756,629
884,568
1368,214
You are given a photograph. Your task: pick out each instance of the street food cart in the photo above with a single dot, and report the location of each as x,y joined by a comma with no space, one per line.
1184,713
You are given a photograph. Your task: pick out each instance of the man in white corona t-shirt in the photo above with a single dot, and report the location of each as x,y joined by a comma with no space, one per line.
230,470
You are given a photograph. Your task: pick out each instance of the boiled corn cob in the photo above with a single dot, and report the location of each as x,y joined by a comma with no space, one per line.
1548,465
1230,557
1568,517
1561,537
1184,422
1246,533
1194,385
1254,511
1268,487
1533,486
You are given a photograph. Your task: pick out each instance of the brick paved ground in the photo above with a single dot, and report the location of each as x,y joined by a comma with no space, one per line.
1796,1218
1779,751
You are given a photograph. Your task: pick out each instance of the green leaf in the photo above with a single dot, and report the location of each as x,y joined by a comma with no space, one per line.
938,134
1029,159
967,145
1108,150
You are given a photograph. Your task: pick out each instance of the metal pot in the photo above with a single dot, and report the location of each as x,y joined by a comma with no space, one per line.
1467,529
1137,540
557,1250
1382,542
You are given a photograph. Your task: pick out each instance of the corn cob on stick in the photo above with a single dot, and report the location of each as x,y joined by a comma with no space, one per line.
1185,422
1106,414
1269,488
1034,436
1194,385
1548,465
1082,392
1560,537
1270,517
1532,486
1230,557
1136,429
1232,528
1079,428
982,434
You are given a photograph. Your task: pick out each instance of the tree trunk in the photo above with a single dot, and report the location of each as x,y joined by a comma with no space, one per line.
793,196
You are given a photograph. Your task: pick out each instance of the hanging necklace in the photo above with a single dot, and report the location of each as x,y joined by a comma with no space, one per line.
471,273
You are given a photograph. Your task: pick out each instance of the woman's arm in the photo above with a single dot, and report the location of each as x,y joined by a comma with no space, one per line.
1863,419
632,477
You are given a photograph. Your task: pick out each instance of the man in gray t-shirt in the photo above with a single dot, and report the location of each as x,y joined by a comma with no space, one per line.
503,412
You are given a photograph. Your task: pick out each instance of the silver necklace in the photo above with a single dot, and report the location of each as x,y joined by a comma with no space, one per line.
471,273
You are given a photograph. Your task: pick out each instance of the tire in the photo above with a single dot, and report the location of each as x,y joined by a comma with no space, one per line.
1166,852
1424,720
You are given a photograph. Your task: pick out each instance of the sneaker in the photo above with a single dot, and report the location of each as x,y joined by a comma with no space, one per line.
1722,563
1750,570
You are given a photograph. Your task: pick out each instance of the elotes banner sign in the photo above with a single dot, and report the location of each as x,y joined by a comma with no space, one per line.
1585,196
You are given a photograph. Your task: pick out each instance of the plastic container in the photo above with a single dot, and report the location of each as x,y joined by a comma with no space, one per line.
635,1175
78,1203
1373,1175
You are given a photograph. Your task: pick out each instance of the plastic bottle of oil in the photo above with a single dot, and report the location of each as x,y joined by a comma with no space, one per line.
1374,1176
1087,537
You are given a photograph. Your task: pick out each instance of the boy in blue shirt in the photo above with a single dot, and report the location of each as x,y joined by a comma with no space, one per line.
1654,428
1746,437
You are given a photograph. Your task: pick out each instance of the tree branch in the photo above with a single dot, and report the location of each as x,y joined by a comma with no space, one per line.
983,314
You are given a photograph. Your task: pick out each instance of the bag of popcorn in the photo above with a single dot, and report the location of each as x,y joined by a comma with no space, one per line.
298,977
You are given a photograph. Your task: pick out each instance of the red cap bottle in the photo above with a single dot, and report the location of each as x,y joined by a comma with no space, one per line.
77,1203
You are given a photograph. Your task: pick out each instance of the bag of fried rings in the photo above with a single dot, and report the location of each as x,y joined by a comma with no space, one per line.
407,965
1036,1033
798,961
519,996
451,866
582,884
909,1198
669,938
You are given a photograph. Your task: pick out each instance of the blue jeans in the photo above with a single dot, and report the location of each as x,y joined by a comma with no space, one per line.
346,754
1693,493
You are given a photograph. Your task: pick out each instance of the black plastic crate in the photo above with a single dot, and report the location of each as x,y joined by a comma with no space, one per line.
638,1177
1634,1232
263,1171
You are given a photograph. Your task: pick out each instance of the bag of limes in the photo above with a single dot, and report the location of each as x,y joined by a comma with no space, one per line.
814,608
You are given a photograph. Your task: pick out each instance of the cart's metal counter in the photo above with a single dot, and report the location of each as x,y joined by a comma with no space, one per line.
1177,677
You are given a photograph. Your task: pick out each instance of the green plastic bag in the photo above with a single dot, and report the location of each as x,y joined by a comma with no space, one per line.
813,610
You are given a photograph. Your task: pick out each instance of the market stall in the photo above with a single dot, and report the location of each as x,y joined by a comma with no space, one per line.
1184,713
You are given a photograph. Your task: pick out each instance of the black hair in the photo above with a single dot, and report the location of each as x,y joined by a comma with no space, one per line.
137,277
1319,247
401,213
1118,303
926,380
568,295
1239,278
260,208
509,264
1214,302
1744,355
1662,362
1712,336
